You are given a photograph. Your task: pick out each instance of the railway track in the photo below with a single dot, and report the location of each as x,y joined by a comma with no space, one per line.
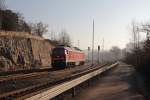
23,71
49,91
21,76
8,76
27,74
24,85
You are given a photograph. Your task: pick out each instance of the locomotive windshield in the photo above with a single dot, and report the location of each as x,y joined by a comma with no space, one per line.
58,51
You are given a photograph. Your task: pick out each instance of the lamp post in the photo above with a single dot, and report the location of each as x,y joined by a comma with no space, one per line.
93,45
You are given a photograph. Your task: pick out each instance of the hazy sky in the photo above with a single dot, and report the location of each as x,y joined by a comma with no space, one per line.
112,18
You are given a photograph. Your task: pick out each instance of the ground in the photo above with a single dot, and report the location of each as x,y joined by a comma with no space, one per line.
117,84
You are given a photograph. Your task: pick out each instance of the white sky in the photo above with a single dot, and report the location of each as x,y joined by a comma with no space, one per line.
112,18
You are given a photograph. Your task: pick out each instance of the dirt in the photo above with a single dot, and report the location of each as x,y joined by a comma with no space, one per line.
118,84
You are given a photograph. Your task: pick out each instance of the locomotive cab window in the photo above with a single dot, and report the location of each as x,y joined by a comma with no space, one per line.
58,51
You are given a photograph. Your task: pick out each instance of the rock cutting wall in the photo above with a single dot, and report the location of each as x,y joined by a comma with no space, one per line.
19,51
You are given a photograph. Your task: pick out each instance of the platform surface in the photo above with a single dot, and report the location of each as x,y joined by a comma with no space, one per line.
118,84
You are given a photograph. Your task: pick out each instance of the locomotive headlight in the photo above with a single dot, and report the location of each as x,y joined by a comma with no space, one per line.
66,52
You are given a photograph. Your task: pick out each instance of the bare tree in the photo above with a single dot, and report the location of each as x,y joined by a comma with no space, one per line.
135,34
38,28
138,55
53,36
116,52
22,25
2,4
64,38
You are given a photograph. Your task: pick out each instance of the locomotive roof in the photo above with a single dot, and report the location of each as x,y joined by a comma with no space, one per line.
69,48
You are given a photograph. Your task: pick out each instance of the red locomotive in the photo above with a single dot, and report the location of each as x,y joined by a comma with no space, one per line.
64,56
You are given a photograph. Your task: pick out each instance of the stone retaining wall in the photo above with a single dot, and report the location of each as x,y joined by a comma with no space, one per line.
20,50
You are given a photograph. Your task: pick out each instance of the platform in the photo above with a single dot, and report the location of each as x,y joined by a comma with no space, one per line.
118,84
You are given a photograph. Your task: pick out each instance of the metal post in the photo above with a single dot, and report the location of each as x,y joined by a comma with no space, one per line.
88,54
88,82
78,43
73,91
93,44
102,51
98,52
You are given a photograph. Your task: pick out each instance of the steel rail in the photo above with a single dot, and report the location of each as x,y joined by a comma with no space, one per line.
22,76
25,74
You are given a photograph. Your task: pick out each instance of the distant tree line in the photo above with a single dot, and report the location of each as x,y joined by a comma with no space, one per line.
62,38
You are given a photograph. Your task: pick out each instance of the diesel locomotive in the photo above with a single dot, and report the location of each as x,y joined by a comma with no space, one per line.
65,56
